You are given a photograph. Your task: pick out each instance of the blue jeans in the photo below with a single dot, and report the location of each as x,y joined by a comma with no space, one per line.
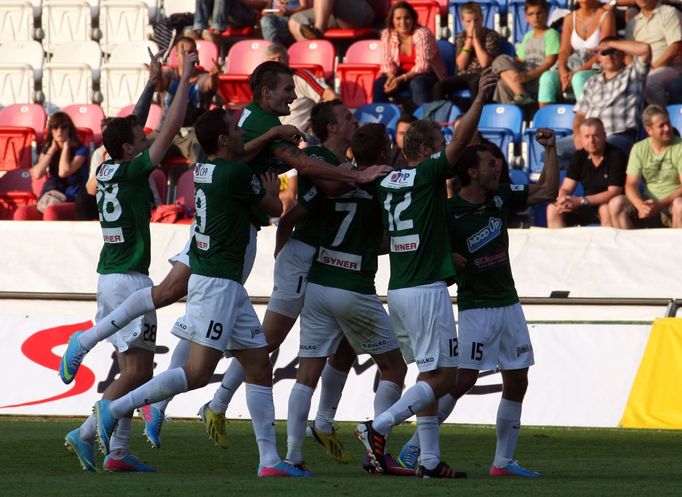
276,29
565,147
216,9
419,87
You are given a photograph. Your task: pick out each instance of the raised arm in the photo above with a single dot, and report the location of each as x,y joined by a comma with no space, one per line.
631,47
285,132
141,110
286,225
547,186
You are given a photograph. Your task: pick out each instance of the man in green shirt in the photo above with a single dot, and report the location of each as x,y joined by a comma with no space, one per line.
219,316
415,216
655,162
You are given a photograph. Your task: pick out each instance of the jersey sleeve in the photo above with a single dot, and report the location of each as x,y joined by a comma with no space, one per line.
246,185
437,168
140,166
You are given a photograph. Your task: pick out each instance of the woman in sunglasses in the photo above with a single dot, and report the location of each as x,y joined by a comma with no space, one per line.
61,159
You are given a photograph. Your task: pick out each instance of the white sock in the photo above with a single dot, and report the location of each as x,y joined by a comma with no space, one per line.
508,428
427,429
120,439
262,411
138,303
178,359
387,394
162,386
331,388
232,379
297,415
88,429
415,399
446,404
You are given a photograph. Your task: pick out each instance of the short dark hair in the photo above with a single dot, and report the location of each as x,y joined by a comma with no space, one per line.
537,3
421,132
266,75
468,159
321,115
209,126
406,118
368,143
118,133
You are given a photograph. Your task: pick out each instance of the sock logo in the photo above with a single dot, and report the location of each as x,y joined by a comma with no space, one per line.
113,323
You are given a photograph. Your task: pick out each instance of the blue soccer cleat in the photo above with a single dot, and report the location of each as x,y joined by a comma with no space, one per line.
106,424
81,449
408,456
72,358
513,469
128,463
153,421
283,469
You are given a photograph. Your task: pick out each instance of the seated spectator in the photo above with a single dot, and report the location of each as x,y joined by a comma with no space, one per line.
582,32
476,47
309,91
312,23
615,96
538,52
397,158
655,163
600,167
62,159
410,57
659,26
274,23
222,14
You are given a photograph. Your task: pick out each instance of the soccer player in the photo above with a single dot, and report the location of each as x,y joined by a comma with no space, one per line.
340,298
124,202
219,316
415,215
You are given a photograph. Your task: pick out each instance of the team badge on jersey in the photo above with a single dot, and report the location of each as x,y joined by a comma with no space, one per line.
245,113
203,173
497,200
485,235
516,188
107,171
255,184
400,179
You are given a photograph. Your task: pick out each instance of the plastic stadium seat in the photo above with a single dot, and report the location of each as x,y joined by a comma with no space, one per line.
160,181
184,194
317,56
447,55
675,112
361,67
490,9
242,59
64,21
64,211
25,115
454,113
121,84
501,124
123,20
15,147
88,116
517,13
350,33
208,53
24,52
385,113
507,48
171,7
154,117
558,117
78,52
428,14
17,189
68,77
132,52
16,21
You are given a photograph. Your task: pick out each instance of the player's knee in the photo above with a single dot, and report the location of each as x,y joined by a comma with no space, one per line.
197,377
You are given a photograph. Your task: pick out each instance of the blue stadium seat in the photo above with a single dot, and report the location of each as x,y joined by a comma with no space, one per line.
446,126
675,112
507,48
488,7
558,117
385,113
517,10
519,177
501,124
447,55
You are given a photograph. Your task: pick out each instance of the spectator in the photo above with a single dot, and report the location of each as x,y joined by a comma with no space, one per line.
410,57
312,23
656,163
61,159
397,158
275,21
615,96
582,32
223,14
538,52
659,26
309,91
476,48
600,167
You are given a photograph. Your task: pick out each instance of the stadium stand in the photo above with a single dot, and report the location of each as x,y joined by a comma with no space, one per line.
25,115
87,117
17,19
357,73
64,21
502,125
385,113
123,20
153,119
243,57
18,189
558,117
316,56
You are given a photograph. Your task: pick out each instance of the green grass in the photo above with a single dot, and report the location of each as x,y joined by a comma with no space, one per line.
575,462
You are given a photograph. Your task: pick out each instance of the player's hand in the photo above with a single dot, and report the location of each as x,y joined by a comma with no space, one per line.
154,65
270,182
459,260
487,84
545,137
371,173
287,132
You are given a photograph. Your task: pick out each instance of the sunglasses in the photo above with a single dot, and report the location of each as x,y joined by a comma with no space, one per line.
608,52
60,126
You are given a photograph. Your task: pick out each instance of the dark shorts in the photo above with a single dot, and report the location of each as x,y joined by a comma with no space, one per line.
584,215
661,220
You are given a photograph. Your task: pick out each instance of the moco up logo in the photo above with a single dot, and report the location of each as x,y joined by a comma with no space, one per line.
485,235
400,179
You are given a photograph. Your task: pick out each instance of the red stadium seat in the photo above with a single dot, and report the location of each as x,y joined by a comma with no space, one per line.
87,116
65,211
154,117
185,190
242,59
15,147
308,54
18,189
27,213
87,137
25,115
160,182
358,72
427,12
208,53
350,33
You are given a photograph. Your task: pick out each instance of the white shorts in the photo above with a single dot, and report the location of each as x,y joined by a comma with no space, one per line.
249,257
219,315
112,290
291,276
424,315
494,336
330,313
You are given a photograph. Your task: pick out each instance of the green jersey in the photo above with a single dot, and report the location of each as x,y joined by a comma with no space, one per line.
224,192
479,233
255,122
415,215
350,237
124,202
307,230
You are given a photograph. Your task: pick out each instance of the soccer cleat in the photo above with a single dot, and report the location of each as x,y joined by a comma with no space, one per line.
513,469
128,463
215,426
153,421
408,456
81,449
394,468
331,443
282,468
440,471
106,424
375,444
72,358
